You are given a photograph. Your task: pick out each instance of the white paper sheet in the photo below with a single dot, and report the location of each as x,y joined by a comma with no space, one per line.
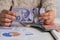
25,34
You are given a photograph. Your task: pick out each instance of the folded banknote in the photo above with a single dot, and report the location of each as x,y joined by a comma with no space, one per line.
27,15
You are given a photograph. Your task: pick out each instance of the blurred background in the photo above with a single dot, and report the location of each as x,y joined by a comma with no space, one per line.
58,12
58,9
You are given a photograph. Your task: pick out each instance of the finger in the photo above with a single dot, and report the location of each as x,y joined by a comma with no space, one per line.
51,12
13,13
44,14
44,17
47,22
50,20
9,12
8,16
4,24
5,20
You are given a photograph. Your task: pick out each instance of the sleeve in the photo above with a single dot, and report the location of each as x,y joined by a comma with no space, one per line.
5,4
49,4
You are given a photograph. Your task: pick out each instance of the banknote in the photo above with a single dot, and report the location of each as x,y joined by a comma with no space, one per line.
25,15
41,11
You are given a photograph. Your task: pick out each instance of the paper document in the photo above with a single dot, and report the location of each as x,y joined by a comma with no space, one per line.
56,34
23,33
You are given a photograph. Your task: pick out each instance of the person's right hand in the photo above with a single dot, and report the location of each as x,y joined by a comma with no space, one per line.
6,17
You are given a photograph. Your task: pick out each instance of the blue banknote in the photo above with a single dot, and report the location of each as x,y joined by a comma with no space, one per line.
25,15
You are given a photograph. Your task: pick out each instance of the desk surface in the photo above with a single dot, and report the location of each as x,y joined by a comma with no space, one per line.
25,34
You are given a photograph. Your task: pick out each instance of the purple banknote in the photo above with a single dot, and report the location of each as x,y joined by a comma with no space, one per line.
25,15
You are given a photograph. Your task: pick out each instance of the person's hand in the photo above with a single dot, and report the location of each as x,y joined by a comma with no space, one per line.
6,17
48,17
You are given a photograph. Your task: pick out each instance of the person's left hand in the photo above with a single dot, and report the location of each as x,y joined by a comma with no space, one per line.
48,16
